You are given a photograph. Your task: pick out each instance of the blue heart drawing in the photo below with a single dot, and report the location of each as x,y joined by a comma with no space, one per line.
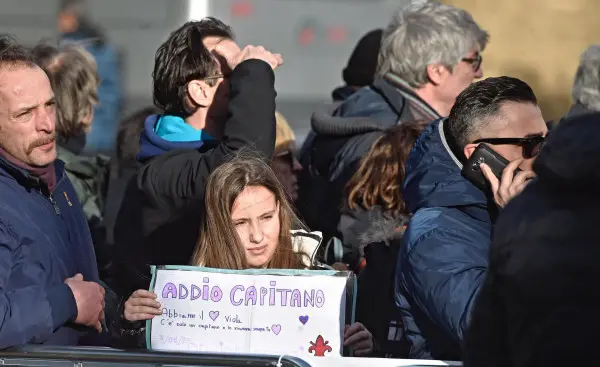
303,319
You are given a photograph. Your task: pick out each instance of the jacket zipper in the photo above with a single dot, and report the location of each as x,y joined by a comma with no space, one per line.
54,205
51,198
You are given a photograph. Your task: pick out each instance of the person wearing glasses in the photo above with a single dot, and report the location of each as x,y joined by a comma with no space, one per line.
284,162
443,258
216,99
429,53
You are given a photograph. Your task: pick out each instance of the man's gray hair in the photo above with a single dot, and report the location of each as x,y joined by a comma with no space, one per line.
425,33
586,88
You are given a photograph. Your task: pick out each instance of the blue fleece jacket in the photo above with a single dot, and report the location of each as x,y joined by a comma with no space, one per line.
163,133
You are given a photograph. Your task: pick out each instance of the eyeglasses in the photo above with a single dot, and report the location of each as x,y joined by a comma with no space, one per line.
474,61
531,145
219,76
286,156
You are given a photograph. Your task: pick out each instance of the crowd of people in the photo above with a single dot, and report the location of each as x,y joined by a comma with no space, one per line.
466,216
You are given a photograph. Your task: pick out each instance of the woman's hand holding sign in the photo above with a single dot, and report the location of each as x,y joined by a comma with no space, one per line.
142,305
359,339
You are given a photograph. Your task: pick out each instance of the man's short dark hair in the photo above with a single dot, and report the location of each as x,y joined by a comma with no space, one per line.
183,58
13,54
482,100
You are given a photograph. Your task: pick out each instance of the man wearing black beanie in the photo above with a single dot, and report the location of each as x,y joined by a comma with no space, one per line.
361,67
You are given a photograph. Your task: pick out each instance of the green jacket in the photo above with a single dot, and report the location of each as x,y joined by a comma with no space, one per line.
89,178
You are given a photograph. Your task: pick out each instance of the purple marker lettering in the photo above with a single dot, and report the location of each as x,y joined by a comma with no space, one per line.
232,295
205,292
272,294
263,293
195,292
296,299
169,289
183,291
320,298
284,293
308,298
251,295
216,294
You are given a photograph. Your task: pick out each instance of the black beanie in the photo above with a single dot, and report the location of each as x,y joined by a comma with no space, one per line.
362,64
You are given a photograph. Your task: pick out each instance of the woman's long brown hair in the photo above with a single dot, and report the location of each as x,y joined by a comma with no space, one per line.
219,245
378,180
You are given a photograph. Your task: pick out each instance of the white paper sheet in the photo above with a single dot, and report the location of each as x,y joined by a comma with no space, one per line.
218,312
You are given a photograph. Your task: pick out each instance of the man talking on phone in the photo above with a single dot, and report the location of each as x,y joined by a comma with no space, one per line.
444,257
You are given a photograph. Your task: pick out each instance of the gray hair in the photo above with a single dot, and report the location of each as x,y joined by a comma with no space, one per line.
586,87
74,78
426,33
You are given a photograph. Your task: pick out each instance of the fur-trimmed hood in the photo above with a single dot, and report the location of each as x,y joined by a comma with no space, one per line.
383,229
359,228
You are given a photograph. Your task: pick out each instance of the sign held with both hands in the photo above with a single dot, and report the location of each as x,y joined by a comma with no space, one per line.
298,313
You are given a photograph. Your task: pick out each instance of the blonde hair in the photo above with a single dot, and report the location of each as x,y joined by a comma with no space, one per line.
219,245
285,138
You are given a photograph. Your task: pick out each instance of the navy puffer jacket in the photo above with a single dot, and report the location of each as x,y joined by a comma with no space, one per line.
444,253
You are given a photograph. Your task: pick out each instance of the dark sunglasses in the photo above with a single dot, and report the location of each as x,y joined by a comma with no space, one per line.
474,61
287,156
531,145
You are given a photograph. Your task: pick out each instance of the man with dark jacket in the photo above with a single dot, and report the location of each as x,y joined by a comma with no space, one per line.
444,254
48,275
217,100
413,82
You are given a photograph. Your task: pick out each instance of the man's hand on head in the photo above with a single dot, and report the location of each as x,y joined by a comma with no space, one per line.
509,185
235,57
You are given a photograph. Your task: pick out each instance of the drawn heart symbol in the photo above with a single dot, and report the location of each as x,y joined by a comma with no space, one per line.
213,315
303,319
276,329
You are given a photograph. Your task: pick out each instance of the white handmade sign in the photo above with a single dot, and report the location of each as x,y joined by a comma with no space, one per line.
245,312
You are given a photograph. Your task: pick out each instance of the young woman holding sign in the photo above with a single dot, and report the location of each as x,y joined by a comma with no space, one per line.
248,224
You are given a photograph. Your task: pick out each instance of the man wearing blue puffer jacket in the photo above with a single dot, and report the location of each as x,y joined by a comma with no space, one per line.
48,274
444,255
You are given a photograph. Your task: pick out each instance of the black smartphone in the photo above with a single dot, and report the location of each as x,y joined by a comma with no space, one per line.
484,154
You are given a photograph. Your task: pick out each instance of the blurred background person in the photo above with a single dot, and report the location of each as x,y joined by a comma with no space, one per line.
361,67
586,86
284,163
75,26
124,166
